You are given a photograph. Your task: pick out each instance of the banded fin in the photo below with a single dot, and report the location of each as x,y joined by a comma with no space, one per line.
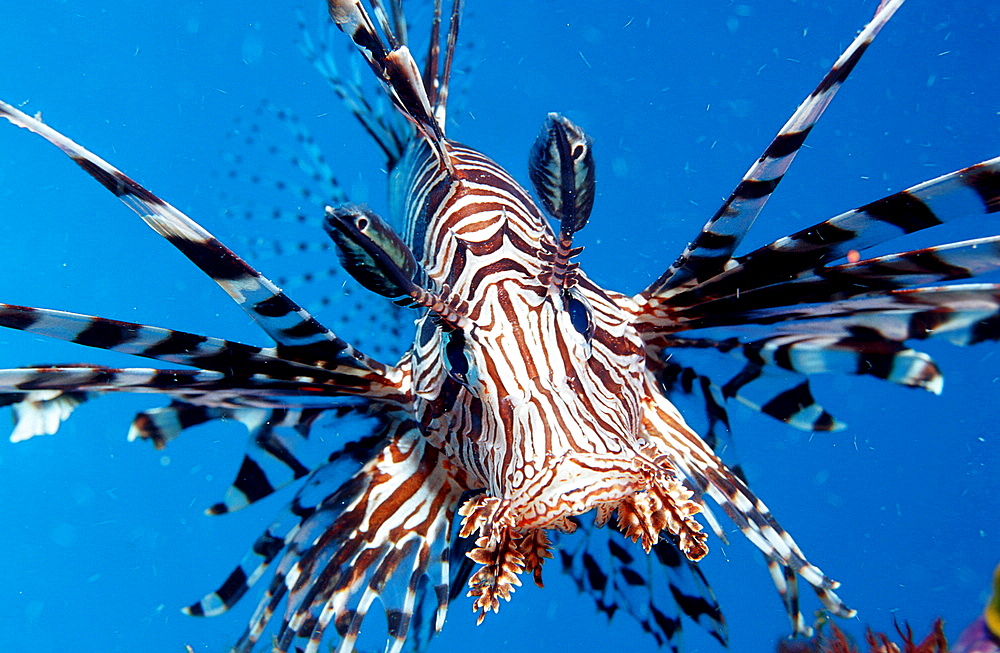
390,133
376,536
163,424
759,385
171,346
263,160
857,352
841,350
252,566
705,472
437,72
298,334
953,261
949,262
202,387
682,384
964,314
97,378
654,589
773,378
712,249
865,335
277,537
279,451
393,65
676,379
282,151
278,454
785,397
42,398
968,192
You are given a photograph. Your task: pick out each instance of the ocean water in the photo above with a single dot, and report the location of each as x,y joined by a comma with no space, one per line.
105,540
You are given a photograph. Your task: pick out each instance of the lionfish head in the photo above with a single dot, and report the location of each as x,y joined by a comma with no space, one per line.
540,389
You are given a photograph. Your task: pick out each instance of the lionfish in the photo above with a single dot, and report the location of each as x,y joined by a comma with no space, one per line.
532,402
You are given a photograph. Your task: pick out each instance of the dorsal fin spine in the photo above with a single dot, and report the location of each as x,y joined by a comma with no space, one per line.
395,67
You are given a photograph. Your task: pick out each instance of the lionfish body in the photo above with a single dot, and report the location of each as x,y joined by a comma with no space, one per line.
526,376
532,401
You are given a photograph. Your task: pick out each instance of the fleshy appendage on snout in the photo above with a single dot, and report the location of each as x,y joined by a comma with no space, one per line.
646,498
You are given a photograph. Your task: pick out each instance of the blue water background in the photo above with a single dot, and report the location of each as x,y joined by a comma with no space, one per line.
103,541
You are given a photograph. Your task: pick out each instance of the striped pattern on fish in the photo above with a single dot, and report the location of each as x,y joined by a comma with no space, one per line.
535,410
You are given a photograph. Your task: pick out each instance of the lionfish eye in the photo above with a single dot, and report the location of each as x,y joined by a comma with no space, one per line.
454,355
579,314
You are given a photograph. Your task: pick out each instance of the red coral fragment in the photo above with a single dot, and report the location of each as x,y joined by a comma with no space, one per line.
836,641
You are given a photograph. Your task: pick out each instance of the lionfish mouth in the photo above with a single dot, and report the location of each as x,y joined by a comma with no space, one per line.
645,499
